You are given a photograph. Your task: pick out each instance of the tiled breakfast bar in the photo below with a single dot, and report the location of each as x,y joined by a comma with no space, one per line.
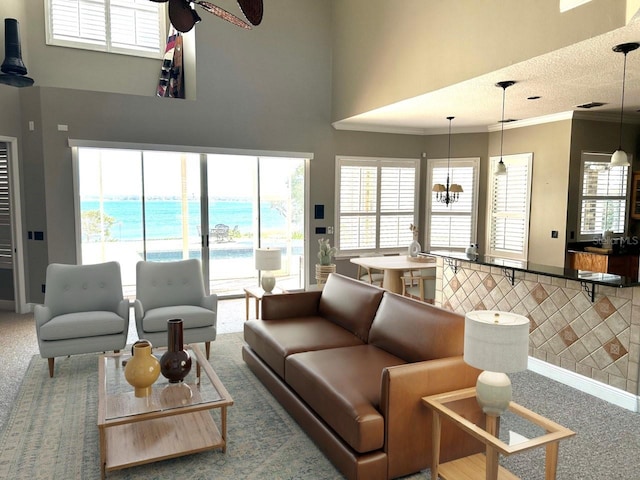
585,327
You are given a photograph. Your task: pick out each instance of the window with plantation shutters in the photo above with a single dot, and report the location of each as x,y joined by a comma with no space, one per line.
134,27
376,203
453,226
6,249
509,207
603,196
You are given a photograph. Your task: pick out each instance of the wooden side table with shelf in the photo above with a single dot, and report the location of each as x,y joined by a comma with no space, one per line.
257,293
486,466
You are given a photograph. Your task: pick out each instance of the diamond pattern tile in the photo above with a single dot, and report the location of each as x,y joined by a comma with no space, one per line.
599,340
615,349
539,294
604,307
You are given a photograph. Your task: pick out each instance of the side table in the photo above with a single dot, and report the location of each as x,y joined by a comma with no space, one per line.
257,293
542,432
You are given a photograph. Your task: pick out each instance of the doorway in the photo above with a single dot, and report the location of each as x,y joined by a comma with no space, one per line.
12,280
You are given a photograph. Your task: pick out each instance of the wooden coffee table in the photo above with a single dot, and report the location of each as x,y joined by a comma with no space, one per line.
174,420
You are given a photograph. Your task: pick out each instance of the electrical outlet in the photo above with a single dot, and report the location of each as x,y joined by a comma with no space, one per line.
330,230
554,233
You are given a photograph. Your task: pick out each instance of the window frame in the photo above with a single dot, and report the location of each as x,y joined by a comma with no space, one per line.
378,162
604,158
463,162
507,159
108,46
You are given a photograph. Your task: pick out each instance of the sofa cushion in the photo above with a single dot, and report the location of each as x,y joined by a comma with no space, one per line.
401,321
342,385
82,325
155,320
350,303
273,340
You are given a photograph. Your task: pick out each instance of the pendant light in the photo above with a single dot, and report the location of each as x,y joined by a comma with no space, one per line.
448,193
619,157
501,168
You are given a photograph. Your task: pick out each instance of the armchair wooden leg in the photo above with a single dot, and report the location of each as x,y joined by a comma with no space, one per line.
51,363
207,348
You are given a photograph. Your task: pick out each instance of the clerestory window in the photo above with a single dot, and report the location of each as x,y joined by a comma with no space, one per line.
132,27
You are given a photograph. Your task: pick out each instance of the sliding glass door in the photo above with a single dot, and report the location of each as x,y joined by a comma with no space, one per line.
148,205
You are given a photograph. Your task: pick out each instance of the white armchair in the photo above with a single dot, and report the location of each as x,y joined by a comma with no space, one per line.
166,290
84,311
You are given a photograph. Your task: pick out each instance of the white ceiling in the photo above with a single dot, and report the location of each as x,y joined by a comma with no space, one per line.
584,72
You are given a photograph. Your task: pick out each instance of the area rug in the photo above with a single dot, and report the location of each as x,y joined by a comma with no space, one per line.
52,432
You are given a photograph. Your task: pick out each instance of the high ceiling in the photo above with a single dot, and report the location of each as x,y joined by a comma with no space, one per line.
585,72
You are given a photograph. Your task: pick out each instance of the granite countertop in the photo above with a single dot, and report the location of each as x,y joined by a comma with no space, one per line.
606,279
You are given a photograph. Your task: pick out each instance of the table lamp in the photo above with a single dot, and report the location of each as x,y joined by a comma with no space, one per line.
268,260
498,343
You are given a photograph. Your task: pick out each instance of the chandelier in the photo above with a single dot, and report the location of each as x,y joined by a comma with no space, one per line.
450,192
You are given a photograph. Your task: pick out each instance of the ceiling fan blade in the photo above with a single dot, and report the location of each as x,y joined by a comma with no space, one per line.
252,10
182,16
160,1
219,12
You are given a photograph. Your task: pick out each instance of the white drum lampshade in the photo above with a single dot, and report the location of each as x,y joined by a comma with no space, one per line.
268,260
498,343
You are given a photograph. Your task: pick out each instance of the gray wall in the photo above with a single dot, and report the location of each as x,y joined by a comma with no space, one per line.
267,89
387,51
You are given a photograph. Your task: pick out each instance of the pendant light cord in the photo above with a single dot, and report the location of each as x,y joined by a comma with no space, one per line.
504,92
624,75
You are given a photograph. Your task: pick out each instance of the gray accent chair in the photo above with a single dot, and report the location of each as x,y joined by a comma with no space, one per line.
166,290
84,311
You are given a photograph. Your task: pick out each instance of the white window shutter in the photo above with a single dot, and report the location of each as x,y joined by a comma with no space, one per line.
603,198
453,226
118,26
6,250
509,208
376,203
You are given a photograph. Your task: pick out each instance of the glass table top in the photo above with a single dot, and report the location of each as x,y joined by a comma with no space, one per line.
120,400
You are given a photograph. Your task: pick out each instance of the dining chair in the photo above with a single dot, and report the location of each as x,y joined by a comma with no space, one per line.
373,276
420,284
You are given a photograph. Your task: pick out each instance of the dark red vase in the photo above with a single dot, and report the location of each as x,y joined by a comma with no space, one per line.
175,363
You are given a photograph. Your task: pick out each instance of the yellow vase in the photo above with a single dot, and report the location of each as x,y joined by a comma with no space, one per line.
143,369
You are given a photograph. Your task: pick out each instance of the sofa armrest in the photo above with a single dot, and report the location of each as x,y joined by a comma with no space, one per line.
408,420
290,305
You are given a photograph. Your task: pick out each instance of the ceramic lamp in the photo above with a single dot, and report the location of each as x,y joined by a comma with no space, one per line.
498,343
268,260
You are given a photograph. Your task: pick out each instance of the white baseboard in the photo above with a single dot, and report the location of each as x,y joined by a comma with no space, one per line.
600,390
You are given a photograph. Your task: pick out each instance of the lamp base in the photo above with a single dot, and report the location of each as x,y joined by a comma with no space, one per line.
268,282
493,391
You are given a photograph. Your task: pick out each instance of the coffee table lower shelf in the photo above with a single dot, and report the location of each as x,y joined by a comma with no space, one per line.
161,438
471,468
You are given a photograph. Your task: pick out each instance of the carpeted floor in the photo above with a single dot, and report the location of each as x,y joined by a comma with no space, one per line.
49,425
52,431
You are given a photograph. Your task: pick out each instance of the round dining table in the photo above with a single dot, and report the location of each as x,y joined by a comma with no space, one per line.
393,266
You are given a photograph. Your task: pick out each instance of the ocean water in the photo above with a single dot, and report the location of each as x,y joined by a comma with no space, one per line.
164,217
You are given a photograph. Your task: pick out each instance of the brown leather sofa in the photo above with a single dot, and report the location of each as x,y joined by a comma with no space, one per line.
351,363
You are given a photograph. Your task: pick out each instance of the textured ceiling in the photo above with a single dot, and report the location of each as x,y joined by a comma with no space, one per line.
585,72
